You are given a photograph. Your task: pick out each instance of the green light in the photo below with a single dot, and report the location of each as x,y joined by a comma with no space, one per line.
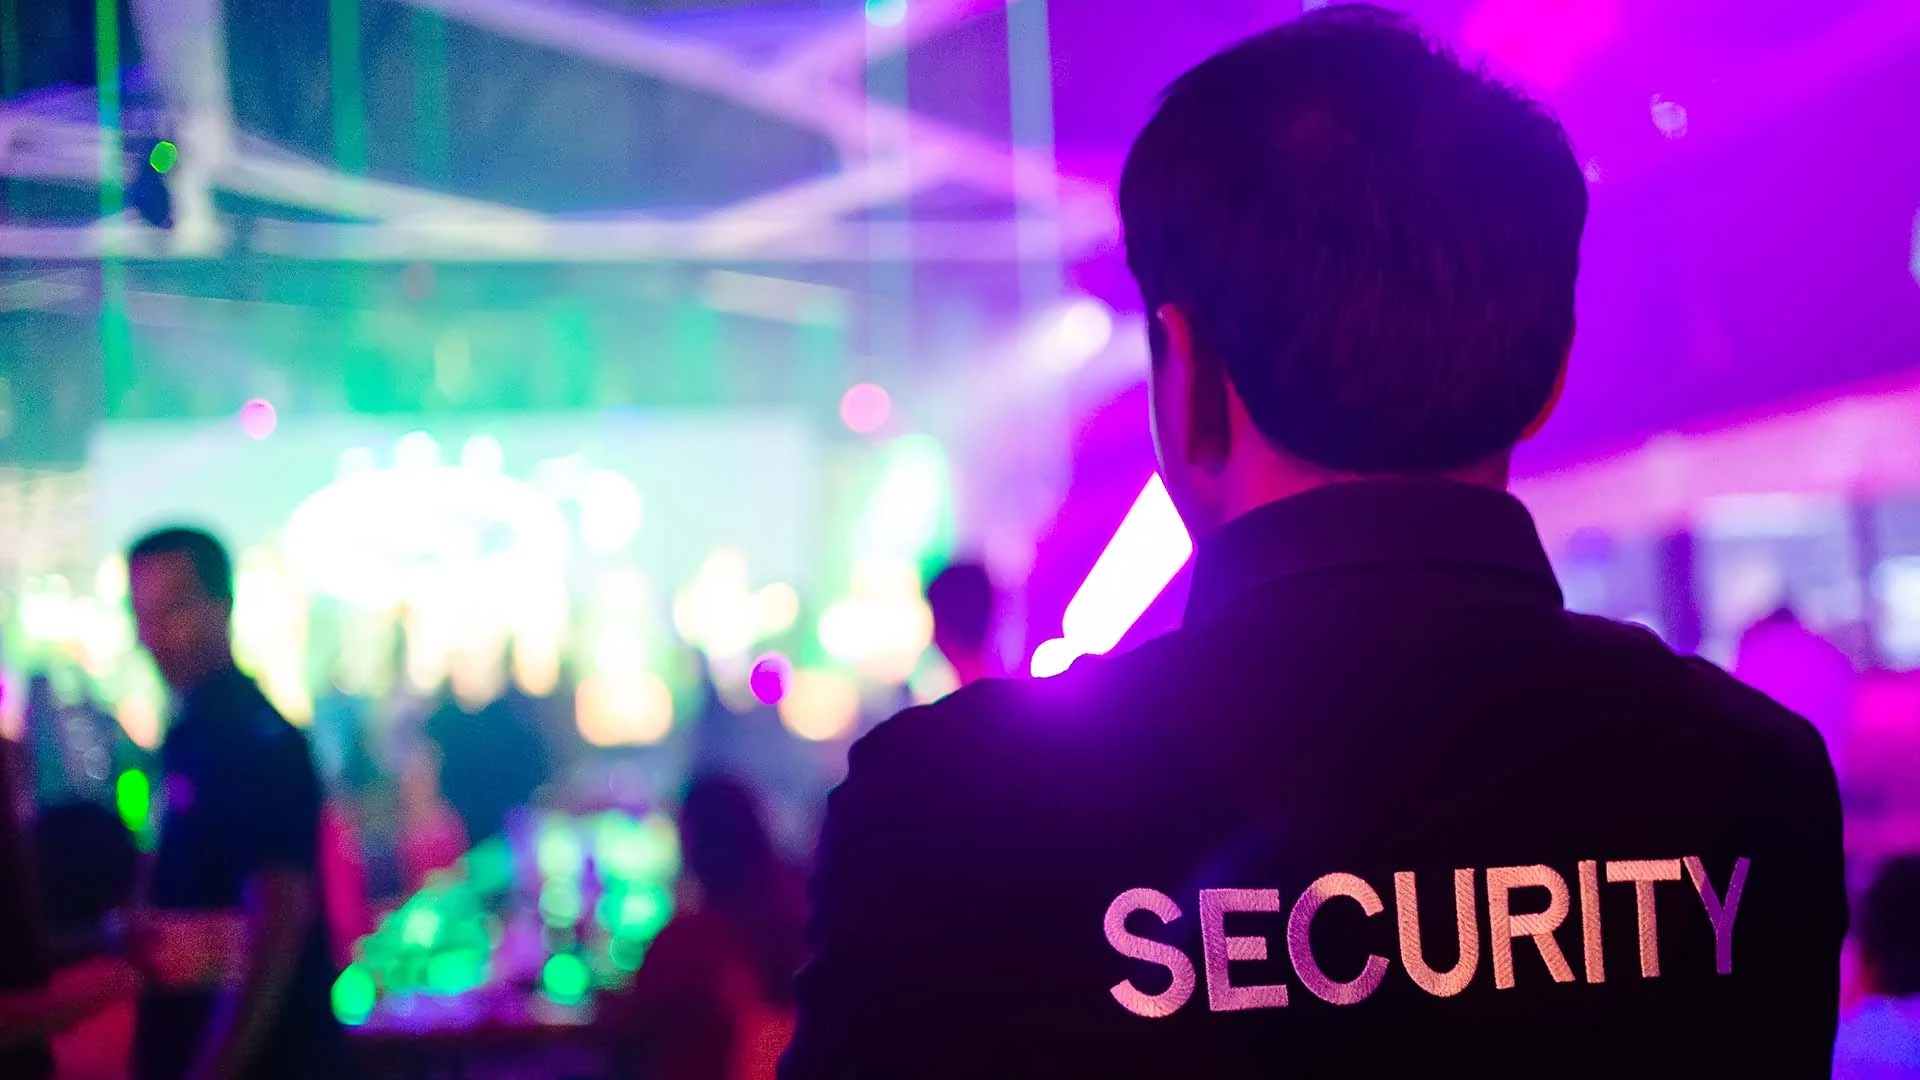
164,155
133,795
907,514
558,851
643,913
353,995
566,979
456,972
421,927
561,903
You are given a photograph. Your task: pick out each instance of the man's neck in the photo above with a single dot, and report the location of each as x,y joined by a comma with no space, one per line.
1260,479
212,670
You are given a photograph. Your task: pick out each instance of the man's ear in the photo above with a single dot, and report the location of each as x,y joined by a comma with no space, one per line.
1204,382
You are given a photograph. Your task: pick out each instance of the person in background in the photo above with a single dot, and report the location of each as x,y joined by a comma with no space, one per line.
1382,806
1785,660
1880,1038
37,1001
962,601
239,839
88,868
714,999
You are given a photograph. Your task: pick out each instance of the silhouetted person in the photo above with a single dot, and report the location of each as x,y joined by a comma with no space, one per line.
37,1000
714,998
239,835
1880,1038
1786,660
962,601
1382,806
492,762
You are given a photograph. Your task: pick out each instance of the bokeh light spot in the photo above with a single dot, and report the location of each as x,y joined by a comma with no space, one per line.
820,705
258,418
865,408
768,679
566,979
353,996
1670,117
133,796
164,156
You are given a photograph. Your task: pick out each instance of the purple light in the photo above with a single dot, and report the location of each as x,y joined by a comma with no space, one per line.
769,677
1145,553
1670,117
258,418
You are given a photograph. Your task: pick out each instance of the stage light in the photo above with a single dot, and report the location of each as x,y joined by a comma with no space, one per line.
623,709
610,511
864,408
1145,553
886,12
907,512
820,706
482,453
258,418
1053,657
416,450
1075,333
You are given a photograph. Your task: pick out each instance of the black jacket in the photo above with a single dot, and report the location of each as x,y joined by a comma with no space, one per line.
1256,846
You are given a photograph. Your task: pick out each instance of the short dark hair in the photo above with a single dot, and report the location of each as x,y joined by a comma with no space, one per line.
211,565
1376,243
961,599
1890,926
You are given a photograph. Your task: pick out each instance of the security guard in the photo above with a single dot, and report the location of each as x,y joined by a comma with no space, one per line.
1382,807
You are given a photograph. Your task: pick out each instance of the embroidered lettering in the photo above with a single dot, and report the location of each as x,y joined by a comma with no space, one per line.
1406,905
1644,873
1168,1001
1503,927
1300,940
1219,949
1720,912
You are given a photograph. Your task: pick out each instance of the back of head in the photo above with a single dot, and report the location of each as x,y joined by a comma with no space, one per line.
730,853
1890,927
725,843
961,600
1376,244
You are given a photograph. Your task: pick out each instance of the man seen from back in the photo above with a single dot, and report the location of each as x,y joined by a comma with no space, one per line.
1382,806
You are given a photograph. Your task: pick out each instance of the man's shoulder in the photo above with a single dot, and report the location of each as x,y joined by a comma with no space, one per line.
1699,692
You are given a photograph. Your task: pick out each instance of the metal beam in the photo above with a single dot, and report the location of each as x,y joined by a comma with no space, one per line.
643,240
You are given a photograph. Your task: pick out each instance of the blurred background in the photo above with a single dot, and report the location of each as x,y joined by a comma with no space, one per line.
588,390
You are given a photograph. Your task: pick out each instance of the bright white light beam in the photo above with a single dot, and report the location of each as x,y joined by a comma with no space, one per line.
1145,553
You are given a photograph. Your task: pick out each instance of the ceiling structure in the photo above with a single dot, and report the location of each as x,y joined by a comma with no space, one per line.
1755,165
547,130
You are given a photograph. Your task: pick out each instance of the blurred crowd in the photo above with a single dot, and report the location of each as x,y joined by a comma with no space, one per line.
411,783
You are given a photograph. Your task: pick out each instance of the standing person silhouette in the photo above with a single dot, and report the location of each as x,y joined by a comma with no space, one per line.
239,839
1382,806
962,601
